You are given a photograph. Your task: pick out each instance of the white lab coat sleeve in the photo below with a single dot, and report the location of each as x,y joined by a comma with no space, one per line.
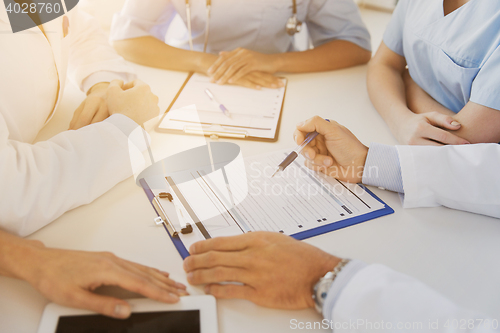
461,177
91,53
341,280
42,181
378,299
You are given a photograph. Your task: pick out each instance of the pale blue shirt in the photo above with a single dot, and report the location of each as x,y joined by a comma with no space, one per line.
382,168
454,58
258,25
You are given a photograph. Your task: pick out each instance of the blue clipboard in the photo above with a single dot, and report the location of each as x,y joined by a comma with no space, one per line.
179,245
347,222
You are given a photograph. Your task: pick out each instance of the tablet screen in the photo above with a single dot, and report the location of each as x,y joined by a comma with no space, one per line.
152,322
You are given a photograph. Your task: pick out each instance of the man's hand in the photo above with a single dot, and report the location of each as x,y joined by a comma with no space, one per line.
335,151
134,100
233,66
69,277
93,109
276,271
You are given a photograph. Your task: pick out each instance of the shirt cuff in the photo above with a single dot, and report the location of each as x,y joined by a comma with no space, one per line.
382,168
102,76
342,279
135,134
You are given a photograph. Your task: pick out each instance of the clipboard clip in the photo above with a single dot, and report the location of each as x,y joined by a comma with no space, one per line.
202,131
163,219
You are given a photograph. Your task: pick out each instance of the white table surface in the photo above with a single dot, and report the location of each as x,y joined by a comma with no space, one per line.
454,252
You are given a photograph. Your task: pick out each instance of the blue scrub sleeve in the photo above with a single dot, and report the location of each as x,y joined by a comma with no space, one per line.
329,20
393,36
486,86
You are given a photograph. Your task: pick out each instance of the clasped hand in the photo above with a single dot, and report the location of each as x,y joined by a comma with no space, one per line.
427,123
133,99
430,128
246,68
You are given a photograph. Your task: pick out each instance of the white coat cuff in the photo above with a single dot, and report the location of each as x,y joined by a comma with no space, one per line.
103,76
135,134
382,168
342,279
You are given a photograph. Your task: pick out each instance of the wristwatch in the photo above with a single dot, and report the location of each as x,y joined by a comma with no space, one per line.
322,287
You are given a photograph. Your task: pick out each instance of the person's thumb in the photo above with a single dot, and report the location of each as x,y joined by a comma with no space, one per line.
443,121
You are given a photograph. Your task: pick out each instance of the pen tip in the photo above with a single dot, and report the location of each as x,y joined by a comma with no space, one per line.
275,172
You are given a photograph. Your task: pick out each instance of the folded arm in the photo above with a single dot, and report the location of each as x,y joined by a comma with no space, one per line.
479,124
387,92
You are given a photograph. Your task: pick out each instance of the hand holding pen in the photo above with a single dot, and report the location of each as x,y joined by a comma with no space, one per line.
334,151
295,153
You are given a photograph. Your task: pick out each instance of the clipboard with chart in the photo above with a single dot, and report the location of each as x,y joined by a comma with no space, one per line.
255,114
241,197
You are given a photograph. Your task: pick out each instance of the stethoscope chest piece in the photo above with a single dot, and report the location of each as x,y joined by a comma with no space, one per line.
293,25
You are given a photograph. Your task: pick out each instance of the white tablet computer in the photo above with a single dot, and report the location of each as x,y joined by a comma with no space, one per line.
192,314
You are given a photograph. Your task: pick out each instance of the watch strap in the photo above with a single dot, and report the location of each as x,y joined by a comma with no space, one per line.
323,285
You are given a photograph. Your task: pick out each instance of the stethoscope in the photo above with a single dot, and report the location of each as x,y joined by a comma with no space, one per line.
293,25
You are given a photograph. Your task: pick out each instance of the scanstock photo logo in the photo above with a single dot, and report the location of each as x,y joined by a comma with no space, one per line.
26,14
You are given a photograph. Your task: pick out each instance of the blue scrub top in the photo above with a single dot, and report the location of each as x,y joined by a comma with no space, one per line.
454,58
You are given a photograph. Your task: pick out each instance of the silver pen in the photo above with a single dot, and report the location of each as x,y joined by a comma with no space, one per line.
220,105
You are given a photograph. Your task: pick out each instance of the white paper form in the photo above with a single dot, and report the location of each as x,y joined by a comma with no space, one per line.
253,112
294,201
